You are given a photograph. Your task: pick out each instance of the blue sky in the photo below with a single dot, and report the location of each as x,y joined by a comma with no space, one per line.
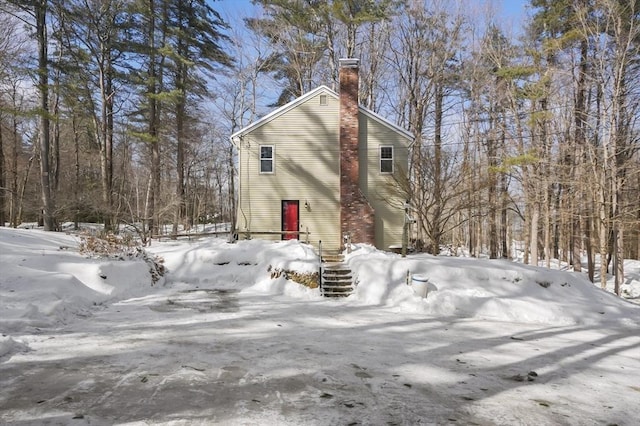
512,9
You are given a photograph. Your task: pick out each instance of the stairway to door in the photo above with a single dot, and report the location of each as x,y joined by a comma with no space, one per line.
336,276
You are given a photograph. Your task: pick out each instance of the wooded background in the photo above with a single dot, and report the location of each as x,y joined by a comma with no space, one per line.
526,139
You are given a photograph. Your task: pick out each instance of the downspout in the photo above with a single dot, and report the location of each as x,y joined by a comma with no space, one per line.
237,142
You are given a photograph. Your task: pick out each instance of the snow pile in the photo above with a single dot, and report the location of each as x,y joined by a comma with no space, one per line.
245,265
485,289
227,340
45,281
8,347
457,287
631,287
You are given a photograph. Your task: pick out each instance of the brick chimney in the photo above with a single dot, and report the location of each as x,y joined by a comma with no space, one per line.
357,220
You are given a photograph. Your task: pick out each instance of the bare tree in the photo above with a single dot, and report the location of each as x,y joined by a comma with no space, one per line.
34,14
424,51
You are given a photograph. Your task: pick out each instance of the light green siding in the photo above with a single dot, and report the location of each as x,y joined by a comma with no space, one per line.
306,169
305,137
382,189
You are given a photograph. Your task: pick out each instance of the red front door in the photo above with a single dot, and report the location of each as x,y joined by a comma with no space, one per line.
290,219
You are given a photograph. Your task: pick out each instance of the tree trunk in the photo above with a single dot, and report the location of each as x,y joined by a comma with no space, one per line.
576,239
43,127
55,146
619,261
232,189
557,222
504,201
181,86
13,212
588,244
148,201
603,230
436,231
76,185
180,211
110,218
492,188
23,186
153,194
546,200
580,120
535,219
3,185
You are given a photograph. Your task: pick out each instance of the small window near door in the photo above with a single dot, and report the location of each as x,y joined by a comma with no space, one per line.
386,159
266,158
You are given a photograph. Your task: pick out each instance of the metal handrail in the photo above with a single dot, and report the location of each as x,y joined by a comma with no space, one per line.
320,268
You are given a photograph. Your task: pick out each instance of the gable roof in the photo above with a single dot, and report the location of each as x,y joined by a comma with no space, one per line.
300,100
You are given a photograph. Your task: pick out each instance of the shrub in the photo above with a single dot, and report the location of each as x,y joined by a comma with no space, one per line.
121,247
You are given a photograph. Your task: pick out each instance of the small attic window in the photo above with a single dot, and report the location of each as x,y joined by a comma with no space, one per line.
323,99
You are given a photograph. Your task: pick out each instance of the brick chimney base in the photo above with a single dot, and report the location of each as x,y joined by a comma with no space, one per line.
358,221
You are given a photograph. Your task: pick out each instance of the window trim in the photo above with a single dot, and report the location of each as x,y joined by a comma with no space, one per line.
272,159
386,159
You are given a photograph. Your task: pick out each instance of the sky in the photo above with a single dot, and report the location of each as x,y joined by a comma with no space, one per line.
512,10
91,339
512,14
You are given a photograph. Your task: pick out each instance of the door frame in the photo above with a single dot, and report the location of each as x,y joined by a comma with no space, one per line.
283,204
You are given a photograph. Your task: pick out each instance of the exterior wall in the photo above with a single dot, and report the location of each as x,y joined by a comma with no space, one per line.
306,168
381,189
306,141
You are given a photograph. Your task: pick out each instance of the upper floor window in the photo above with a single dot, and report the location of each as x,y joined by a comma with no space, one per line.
386,159
266,158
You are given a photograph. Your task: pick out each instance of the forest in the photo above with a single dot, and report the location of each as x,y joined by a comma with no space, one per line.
527,137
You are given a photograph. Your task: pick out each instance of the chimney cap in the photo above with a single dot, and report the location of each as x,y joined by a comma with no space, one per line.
349,62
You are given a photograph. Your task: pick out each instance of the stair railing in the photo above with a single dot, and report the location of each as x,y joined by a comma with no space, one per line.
320,268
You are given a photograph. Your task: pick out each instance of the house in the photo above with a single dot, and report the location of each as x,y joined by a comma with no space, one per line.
323,168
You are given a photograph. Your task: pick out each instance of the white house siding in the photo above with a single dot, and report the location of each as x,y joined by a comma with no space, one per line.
381,189
306,169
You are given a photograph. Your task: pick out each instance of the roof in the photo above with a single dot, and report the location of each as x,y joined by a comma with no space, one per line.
300,100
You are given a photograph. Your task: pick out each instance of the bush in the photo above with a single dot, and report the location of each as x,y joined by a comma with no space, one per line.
306,279
121,247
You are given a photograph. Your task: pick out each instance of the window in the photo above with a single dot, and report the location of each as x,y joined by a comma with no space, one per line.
266,158
323,99
386,159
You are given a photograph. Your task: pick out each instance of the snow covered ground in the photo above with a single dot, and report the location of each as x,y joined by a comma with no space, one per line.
218,341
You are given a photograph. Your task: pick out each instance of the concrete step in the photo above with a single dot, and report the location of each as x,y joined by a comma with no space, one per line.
333,294
338,286
336,272
337,283
332,258
337,280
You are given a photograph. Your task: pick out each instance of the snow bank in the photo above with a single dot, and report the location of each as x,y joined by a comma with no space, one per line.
245,265
631,287
458,287
485,289
45,281
8,347
193,353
